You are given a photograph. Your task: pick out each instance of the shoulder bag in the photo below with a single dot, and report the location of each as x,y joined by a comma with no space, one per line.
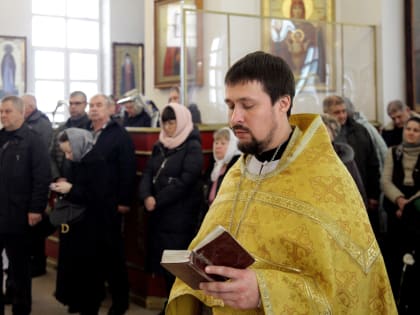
66,212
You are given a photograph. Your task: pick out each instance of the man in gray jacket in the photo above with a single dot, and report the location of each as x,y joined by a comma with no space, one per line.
36,119
39,122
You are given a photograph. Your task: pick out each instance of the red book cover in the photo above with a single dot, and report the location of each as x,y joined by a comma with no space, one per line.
219,248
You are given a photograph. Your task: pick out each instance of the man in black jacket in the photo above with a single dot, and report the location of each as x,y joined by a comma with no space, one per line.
24,179
114,143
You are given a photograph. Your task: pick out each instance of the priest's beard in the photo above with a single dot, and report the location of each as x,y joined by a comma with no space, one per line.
256,146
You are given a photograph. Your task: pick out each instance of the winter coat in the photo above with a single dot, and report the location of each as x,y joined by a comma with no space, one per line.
39,122
172,177
140,120
346,155
377,140
365,156
24,178
81,251
115,145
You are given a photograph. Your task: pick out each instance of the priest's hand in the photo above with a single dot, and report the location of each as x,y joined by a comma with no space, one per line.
240,292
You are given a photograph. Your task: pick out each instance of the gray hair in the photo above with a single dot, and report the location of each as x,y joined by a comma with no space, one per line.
109,102
138,105
331,101
16,102
395,106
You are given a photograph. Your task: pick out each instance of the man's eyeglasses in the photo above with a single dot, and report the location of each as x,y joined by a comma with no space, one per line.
76,103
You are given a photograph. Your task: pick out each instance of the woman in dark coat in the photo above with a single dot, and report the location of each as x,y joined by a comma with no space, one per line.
80,280
401,185
168,187
345,153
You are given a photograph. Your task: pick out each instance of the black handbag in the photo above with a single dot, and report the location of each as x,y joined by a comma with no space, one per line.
66,212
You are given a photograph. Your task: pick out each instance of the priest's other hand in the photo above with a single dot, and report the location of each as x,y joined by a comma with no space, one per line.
240,292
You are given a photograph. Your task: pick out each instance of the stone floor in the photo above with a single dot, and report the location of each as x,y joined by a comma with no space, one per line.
44,303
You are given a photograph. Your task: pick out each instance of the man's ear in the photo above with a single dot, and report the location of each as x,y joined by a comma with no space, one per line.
284,103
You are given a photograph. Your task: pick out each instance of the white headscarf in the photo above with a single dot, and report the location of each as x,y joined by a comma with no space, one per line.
231,151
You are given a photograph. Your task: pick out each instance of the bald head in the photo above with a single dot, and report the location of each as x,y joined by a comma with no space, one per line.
29,102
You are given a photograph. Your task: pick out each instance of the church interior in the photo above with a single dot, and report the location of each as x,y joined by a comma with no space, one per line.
367,51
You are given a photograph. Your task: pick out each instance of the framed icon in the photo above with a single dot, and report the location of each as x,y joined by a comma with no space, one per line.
128,68
13,65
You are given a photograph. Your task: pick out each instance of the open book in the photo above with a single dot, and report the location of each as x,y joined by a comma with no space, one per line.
219,248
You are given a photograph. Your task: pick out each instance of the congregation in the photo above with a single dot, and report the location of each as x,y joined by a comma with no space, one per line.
89,160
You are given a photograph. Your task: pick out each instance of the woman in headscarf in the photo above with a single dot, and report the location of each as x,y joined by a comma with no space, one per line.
401,184
168,187
80,280
225,153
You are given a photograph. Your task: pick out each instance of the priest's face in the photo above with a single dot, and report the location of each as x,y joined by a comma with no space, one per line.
258,124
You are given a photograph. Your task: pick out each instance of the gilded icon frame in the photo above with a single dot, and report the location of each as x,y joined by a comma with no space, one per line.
317,21
168,24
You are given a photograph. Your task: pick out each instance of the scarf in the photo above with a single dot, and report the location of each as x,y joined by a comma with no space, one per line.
410,145
184,126
231,151
81,142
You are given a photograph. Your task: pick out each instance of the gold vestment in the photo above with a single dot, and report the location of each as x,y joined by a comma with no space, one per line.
306,225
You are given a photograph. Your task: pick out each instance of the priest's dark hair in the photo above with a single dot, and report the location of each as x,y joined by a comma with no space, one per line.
272,72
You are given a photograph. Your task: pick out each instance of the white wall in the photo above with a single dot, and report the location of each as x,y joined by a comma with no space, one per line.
392,62
388,16
15,18
358,11
125,19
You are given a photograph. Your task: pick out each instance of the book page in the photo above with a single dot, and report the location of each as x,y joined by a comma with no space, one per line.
171,256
